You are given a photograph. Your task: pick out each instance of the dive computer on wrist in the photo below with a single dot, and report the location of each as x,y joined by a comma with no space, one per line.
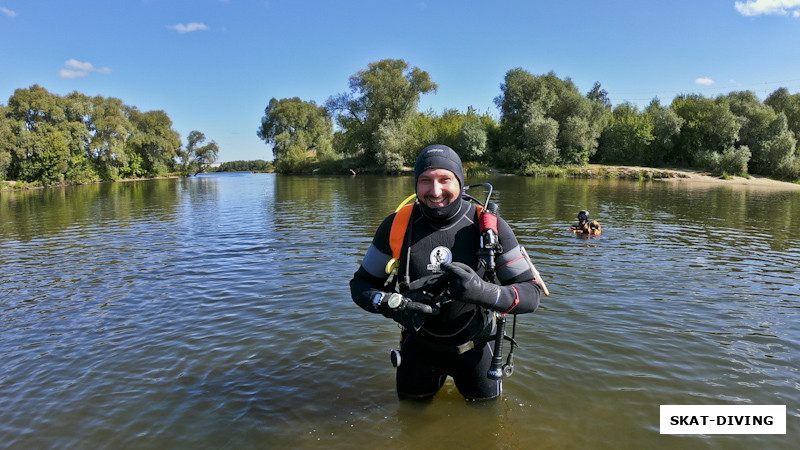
377,299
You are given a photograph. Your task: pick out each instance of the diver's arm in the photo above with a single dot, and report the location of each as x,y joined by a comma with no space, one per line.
363,288
513,271
527,295
371,276
369,281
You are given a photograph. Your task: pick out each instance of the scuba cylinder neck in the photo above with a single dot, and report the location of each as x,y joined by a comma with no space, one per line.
490,244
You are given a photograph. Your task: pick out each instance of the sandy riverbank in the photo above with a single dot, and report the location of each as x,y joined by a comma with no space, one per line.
688,176
694,177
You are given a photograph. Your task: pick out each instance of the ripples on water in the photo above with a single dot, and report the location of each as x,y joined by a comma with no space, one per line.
214,312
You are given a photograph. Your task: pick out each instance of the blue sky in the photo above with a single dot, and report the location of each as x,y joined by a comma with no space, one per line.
213,65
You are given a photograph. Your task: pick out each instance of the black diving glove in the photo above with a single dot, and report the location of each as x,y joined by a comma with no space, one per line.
468,287
410,319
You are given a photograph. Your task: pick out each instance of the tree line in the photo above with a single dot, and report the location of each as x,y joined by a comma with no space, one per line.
48,139
544,121
258,165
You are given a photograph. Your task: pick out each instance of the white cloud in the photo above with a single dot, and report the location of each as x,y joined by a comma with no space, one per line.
77,69
80,66
189,27
705,81
72,74
8,12
767,7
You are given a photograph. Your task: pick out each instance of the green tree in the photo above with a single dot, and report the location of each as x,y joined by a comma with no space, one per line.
599,96
386,92
46,138
40,150
153,141
788,104
43,156
527,134
540,139
763,132
110,128
666,128
444,129
600,105
534,107
77,108
580,118
472,139
779,156
729,161
467,133
300,132
197,156
34,107
258,165
6,142
708,125
392,139
627,138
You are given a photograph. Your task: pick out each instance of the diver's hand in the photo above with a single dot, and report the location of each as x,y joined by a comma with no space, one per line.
410,318
468,287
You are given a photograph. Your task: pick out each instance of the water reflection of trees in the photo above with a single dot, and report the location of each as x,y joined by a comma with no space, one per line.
348,203
27,214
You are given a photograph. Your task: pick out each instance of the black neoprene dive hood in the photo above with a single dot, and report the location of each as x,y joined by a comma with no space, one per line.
439,157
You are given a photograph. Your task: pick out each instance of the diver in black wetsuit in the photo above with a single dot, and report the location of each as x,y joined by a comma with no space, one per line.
585,225
444,238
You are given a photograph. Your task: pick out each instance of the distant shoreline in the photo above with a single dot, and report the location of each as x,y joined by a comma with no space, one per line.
9,184
681,176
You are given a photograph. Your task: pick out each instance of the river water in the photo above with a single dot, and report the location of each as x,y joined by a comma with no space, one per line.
214,312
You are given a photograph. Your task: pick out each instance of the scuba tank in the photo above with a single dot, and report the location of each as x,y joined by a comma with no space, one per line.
490,246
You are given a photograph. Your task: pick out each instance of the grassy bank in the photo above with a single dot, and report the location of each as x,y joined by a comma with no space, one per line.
602,171
11,185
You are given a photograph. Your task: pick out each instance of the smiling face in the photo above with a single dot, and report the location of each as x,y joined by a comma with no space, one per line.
438,187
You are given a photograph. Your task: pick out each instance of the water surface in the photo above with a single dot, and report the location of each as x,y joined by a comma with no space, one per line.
214,312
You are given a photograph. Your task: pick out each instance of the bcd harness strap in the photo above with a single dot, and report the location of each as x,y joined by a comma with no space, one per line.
465,347
398,233
459,349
